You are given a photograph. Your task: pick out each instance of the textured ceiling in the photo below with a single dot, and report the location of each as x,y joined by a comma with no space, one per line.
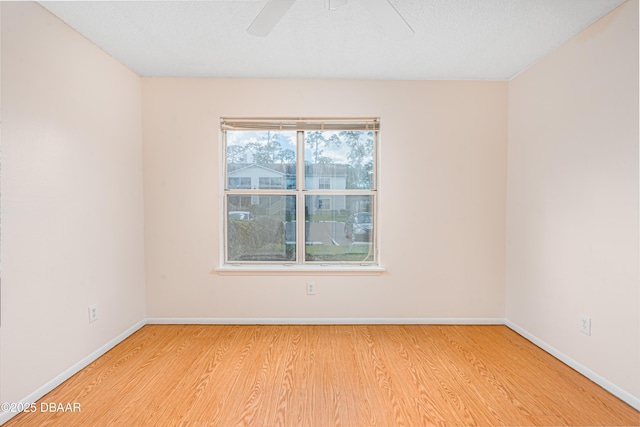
454,39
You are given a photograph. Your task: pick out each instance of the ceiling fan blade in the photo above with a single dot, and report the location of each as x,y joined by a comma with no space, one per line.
389,19
334,4
268,17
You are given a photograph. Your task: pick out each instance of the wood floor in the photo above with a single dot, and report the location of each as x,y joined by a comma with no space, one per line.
338,375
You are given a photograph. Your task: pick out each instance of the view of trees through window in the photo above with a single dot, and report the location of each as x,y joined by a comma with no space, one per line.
281,185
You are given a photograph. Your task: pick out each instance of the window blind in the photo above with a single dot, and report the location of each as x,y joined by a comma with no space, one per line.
355,124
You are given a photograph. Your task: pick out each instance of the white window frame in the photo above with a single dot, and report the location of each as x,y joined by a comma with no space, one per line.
300,266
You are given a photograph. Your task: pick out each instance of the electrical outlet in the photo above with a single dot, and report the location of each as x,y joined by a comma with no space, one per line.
585,324
311,288
93,313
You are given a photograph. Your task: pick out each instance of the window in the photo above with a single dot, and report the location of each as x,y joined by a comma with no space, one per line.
324,204
239,182
300,191
267,183
324,183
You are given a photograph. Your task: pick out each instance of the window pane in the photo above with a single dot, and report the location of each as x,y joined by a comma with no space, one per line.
260,157
341,232
338,160
261,228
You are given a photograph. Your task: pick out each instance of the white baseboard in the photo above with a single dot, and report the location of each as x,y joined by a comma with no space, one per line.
602,382
68,373
323,321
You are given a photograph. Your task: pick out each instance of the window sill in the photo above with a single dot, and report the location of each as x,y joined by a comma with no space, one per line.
299,270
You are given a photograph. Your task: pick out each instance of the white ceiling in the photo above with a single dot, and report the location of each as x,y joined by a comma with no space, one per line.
454,39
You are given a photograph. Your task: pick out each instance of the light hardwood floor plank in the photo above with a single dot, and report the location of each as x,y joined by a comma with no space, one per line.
329,375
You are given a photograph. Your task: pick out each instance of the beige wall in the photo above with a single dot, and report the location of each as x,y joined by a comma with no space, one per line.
442,199
572,199
72,213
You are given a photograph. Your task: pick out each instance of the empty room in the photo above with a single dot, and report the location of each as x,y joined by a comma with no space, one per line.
319,213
